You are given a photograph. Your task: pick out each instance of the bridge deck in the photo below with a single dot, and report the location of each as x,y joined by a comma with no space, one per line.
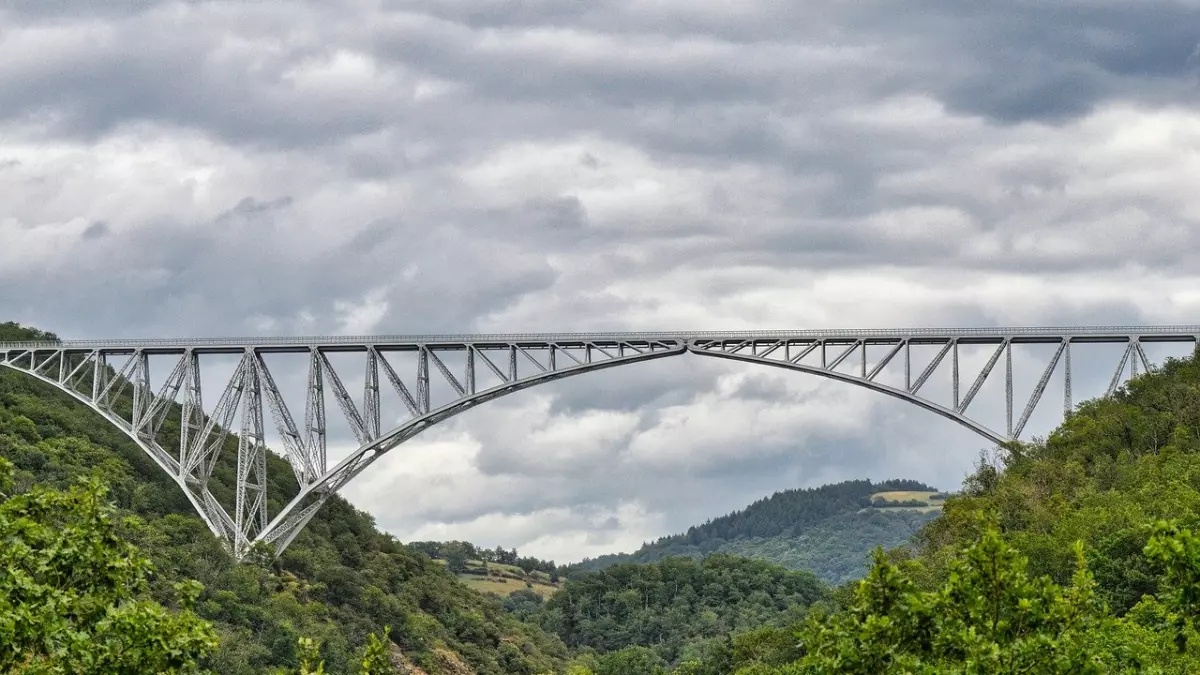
1026,335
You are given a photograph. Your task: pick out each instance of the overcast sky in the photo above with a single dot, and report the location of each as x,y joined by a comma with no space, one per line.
270,167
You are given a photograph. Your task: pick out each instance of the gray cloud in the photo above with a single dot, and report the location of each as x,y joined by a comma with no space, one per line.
197,168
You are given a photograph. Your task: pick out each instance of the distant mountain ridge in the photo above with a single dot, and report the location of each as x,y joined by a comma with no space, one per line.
828,530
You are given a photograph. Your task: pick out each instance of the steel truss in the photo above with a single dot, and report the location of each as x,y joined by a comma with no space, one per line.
123,395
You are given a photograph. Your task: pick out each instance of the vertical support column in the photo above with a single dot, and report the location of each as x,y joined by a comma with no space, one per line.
192,420
251,506
1068,405
371,395
954,372
1133,362
141,388
470,375
863,351
1008,387
512,363
423,380
824,356
314,416
908,365
99,374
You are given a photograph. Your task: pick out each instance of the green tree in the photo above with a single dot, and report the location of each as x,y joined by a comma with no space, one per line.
630,661
456,560
74,594
376,658
310,657
989,617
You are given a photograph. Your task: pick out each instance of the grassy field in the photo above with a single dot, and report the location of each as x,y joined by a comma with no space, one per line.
504,586
906,496
505,579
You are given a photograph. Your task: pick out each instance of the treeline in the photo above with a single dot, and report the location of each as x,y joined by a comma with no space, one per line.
459,554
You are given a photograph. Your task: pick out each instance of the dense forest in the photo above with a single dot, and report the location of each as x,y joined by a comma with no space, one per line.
337,583
836,550
823,530
678,607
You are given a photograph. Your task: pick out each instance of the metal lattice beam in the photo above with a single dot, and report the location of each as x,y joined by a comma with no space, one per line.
433,387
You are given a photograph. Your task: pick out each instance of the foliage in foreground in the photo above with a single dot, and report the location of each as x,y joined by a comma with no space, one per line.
73,593
989,616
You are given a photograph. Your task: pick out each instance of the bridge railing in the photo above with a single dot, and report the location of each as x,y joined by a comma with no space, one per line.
1073,331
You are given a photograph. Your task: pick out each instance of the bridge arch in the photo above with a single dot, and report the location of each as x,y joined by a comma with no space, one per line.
291,520
696,347
519,362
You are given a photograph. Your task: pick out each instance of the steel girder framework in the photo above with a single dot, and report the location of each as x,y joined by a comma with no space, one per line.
123,395
486,367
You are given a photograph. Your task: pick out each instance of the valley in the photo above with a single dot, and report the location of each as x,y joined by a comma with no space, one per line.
835,548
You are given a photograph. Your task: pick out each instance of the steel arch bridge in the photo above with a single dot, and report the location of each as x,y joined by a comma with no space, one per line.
486,367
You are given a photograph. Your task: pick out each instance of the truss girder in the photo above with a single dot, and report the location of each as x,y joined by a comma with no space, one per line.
115,379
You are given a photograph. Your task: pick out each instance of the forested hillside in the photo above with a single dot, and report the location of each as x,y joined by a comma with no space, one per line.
680,609
339,581
1103,477
828,530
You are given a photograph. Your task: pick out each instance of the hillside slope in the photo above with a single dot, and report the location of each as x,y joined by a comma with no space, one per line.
678,608
828,530
340,580
1103,477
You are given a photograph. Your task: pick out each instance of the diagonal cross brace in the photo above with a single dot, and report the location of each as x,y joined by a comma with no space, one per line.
1041,388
